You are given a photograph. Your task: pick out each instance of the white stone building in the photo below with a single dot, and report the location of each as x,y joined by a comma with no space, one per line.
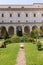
20,17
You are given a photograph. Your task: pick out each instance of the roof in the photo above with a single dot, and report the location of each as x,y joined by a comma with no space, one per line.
34,5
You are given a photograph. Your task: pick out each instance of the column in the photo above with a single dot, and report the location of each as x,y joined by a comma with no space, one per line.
39,27
23,29
7,29
14,29
30,28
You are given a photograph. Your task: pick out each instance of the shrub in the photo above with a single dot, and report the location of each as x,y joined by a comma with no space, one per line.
39,45
31,39
35,33
18,39
24,38
15,39
8,41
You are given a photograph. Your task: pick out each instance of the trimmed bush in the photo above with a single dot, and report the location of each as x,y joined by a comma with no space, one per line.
15,39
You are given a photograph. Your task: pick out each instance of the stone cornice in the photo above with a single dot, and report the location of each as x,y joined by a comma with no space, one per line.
21,9
22,23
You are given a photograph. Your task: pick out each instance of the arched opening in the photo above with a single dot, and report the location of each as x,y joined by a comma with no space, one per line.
27,30
34,27
41,28
11,31
3,31
19,30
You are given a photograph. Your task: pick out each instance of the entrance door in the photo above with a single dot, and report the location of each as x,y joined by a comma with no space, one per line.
19,31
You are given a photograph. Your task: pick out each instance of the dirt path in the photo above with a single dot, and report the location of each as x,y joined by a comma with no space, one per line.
21,57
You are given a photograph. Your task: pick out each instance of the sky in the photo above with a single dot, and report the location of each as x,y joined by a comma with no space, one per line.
20,1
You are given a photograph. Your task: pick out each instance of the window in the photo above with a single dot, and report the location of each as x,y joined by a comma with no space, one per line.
2,15
22,7
42,14
42,20
34,21
9,7
2,21
10,21
26,15
10,15
18,14
26,20
19,21
34,15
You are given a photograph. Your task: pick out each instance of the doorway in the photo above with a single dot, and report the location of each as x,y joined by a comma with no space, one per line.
19,31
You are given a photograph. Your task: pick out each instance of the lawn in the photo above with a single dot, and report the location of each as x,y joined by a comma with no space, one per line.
33,56
1,40
8,55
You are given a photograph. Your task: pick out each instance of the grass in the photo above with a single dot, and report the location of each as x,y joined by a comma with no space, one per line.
33,56
41,38
1,40
8,55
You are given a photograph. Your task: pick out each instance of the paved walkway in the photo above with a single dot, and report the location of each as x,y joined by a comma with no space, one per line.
21,57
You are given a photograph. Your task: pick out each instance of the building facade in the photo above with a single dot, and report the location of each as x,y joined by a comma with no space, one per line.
20,17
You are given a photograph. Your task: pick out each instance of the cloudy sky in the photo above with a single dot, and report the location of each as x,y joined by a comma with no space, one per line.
20,1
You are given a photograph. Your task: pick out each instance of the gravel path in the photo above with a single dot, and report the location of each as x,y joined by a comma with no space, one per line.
21,57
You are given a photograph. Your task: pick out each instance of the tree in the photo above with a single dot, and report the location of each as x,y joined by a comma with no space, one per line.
6,36
35,33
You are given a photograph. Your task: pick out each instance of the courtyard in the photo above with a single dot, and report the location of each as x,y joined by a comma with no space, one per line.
9,54
21,33
33,56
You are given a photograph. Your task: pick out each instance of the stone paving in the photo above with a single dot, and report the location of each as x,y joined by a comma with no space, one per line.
21,56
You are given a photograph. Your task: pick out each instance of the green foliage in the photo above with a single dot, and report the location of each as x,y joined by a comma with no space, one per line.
15,38
31,39
35,34
25,37
41,33
8,41
32,34
39,45
6,36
